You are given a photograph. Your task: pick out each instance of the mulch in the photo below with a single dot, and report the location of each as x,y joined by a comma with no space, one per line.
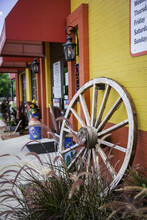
8,136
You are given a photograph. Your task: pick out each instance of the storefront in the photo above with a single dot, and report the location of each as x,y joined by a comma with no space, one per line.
114,53
105,50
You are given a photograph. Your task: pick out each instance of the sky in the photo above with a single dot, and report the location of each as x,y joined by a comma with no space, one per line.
5,8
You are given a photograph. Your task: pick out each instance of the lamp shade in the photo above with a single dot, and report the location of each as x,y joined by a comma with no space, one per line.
69,49
35,66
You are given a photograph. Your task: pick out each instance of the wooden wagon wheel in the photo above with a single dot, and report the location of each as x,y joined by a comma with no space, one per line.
112,112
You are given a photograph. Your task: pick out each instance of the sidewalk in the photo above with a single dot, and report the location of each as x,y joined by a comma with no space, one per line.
2,125
13,147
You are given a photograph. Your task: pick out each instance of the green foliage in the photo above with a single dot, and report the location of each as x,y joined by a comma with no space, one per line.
5,111
137,177
5,85
14,104
9,114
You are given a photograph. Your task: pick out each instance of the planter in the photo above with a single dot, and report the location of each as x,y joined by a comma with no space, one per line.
34,131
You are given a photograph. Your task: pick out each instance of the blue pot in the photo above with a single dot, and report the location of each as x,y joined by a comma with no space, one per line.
35,133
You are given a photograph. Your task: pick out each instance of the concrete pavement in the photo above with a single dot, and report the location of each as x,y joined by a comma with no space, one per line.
13,147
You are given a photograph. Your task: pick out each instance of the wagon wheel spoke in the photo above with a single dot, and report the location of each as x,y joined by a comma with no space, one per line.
95,160
113,128
85,109
94,104
115,146
88,161
100,114
76,157
78,117
110,113
69,130
106,162
69,149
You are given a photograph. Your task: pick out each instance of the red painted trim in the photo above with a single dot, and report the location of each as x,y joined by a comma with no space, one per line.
14,62
17,59
10,70
141,151
120,137
79,18
43,96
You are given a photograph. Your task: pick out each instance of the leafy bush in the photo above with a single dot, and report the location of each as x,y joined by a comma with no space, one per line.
5,110
9,114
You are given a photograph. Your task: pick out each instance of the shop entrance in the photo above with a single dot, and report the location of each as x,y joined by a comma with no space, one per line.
59,73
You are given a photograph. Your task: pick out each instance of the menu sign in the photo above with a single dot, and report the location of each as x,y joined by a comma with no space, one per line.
138,27
57,79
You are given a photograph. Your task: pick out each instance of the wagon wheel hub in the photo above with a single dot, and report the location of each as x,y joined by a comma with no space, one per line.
88,136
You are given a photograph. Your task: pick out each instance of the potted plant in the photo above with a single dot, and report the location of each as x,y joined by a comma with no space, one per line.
9,115
33,117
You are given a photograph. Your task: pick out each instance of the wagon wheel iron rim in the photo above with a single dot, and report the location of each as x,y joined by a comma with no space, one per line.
93,130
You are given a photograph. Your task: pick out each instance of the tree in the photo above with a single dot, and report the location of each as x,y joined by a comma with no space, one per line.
5,85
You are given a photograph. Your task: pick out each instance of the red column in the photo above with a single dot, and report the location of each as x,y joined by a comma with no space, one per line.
79,18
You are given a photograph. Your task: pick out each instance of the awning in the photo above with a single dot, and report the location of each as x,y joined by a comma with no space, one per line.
15,62
10,70
30,23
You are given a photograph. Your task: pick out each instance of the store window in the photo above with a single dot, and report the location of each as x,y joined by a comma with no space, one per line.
60,85
65,88
34,85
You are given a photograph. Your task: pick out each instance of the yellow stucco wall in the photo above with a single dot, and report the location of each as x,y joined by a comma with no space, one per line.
28,85
47,74
110,53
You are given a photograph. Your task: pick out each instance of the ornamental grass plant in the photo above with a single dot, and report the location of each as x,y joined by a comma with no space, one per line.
50,193
47,190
